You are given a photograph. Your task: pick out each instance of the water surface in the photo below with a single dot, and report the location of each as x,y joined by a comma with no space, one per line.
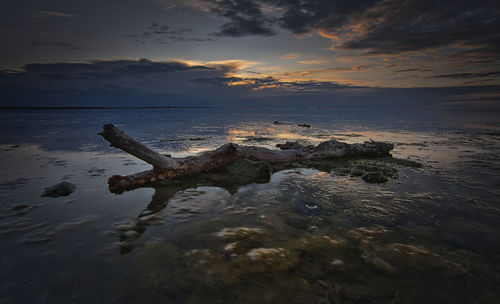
309,235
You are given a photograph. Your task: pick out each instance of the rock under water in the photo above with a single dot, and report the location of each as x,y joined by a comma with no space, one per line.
248,170
58,190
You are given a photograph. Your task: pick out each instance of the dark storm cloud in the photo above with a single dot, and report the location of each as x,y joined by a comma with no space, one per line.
375,26
141,75
60,44
251,83
246,18
273,84
164,34
115,81
394,27
305,16
110,83
467,75
109,68
407,70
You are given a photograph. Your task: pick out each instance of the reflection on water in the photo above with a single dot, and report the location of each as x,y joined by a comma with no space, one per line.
309,233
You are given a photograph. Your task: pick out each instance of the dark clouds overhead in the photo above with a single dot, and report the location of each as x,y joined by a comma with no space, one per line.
164,34
467,75
283,48
374,26
246,18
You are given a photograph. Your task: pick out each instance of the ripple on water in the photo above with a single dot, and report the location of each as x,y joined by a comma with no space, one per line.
307,236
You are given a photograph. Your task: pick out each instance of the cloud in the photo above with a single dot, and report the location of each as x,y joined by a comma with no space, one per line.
48,14
60,44
231,65
297,87
290,56
374,26
140,76
118,80
144,82
164,34
305,73
314,62
246,18
136,75
407,70
467,75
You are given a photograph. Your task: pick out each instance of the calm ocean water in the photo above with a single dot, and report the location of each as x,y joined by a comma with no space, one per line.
306,236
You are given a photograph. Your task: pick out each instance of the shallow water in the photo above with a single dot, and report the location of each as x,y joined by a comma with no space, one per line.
306,236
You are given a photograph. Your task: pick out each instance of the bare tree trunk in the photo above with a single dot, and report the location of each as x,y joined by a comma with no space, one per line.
166,167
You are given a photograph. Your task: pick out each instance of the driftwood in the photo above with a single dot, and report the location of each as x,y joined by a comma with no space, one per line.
165,167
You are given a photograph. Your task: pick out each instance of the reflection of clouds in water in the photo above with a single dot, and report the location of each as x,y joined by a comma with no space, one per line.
259,133
196,150
241,132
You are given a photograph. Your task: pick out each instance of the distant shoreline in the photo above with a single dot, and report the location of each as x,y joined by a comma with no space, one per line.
240,108
108,108
170,107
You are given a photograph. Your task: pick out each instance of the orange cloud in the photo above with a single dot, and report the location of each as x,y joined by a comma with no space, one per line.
243,82
359,28
290,56
314,62
328,35
238,64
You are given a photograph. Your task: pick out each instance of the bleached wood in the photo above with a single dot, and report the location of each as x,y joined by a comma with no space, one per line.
167,167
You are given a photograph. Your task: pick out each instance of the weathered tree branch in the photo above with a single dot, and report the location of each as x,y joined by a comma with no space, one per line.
122,141
166,167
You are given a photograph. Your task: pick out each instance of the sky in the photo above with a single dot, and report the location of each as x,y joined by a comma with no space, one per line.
380,53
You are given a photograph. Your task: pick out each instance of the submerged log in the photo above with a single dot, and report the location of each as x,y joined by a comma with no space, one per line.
165,167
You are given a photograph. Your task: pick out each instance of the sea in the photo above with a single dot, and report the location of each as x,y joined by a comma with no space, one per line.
308,234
